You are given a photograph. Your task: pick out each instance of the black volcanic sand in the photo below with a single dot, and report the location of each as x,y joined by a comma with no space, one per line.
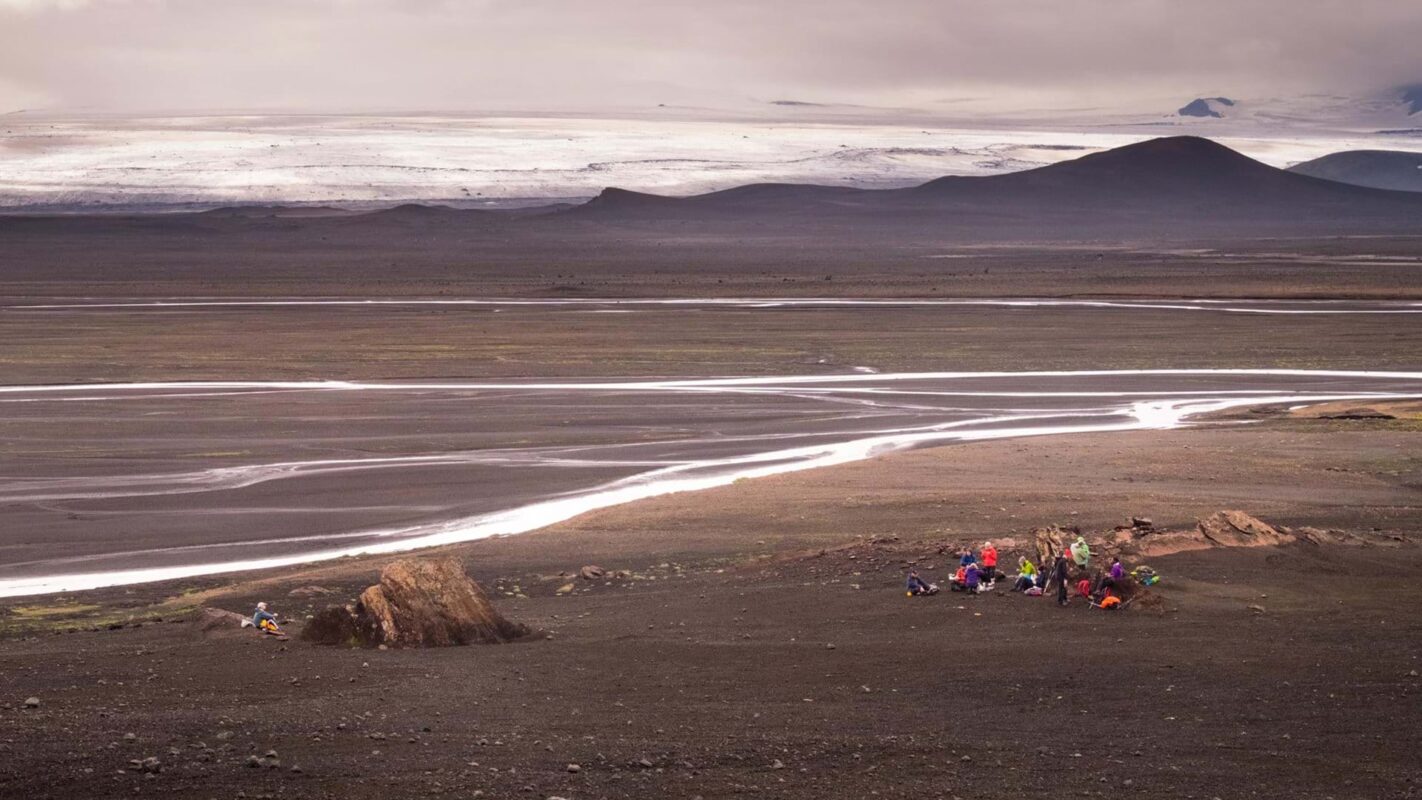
442,342
713,664
740,660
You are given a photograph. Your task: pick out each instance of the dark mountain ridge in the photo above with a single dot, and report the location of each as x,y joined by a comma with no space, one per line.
1172,188
1181,180
1398,170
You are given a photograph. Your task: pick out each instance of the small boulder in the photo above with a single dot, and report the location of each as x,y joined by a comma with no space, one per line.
213,622
592,573
32,702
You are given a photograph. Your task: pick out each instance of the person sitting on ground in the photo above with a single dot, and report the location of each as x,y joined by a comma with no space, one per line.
989,562
1115,575
1081,552
918,587
973,580
1026,575
265,621
968,557
1083,588
1109,603
959,581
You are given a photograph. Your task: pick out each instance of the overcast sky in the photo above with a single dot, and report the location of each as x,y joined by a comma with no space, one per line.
448,55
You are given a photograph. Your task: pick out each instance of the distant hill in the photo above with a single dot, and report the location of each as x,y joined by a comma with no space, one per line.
1171,185
1381,169
1206,107
1412,97
1168,189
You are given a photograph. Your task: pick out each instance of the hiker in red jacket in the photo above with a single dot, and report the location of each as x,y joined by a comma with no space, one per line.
989,562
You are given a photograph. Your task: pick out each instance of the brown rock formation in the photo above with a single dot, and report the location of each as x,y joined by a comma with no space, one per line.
1050,541
1238,529
418,603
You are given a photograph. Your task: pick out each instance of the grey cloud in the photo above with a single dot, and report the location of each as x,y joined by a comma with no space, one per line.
576,54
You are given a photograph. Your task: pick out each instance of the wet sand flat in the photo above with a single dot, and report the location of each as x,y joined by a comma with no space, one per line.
121,482
713,664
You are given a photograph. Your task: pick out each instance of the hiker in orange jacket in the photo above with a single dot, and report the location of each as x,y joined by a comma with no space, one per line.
959,581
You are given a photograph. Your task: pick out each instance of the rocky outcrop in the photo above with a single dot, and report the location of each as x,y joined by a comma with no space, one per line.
1050,541
1238,529
418,603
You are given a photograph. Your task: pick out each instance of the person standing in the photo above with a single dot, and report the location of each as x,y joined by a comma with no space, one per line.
1059,574
1081,552
989,562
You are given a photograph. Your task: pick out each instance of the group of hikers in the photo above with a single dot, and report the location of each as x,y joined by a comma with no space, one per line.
977,572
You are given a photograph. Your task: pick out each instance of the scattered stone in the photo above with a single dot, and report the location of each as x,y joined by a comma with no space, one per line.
1257,609
566,588
777,764
574,768
32,702
1357,414
592,573
645,763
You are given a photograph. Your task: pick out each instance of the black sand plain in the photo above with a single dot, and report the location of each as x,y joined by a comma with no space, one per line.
762,645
